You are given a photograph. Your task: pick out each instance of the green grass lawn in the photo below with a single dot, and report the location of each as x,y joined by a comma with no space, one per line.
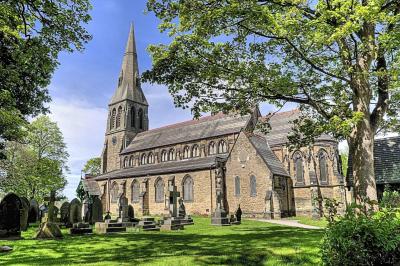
252,243
309,221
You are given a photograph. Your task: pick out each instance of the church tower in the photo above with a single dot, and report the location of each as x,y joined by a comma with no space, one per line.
127,110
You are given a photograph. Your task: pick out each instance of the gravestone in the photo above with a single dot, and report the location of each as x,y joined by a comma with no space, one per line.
49,228
97,210
85,210
10,213
123,209
239,214
172,221
43,209
185,219
24,214
75,212
33,215
64,213
219,216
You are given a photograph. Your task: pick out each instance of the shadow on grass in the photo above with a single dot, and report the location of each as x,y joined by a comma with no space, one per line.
251,244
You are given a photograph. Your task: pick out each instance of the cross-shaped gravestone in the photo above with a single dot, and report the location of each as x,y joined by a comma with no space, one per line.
173,198
51,200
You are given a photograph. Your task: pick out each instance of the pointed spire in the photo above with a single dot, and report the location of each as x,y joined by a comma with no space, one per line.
128,81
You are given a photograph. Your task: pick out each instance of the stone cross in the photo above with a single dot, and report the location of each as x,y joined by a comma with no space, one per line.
219,175
173,197
51,200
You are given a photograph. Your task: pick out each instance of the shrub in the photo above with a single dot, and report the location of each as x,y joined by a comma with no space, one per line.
363,237
390,198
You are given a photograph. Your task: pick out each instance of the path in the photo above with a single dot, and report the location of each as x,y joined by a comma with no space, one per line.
291,223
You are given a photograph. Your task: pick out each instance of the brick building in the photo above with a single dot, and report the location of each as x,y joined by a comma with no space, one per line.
261,173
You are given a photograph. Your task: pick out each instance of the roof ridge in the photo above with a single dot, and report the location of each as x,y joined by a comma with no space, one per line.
188,122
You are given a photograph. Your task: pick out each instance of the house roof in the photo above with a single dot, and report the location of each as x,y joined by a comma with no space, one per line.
386,161
206,127
281,126
163,168
270,159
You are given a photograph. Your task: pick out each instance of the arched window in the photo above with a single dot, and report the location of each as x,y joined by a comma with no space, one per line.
131,161
135,191
237,186
112,119
222,147
114,192
118,123
164,156
323,167
150,158
212,148
195,151
159,186
253,186
298,165
188,188
186,152
133,117
141,121
143,159
171,155
125,162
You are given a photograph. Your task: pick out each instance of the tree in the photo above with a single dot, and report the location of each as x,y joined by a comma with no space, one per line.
92,166
80,192
32,34
338,59
38,166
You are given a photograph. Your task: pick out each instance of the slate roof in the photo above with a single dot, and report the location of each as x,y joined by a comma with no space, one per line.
281,126
386,161
163,168
206,127
270,159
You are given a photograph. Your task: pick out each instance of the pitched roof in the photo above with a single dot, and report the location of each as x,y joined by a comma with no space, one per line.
281,126
206,127
386,160
268,156
129,87
163,168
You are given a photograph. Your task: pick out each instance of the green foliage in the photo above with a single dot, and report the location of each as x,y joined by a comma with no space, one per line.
338,59
32,34
38,166
92,166
344,157
80,192
390,198
362,237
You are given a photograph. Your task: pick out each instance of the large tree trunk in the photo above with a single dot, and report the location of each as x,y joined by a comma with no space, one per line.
362,143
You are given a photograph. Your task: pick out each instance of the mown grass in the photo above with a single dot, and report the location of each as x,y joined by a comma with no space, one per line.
309,221
252,243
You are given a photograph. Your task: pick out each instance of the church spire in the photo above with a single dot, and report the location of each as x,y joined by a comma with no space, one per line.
128,82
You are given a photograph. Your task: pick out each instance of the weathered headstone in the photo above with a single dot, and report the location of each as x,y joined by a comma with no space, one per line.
33,216
172,222
219,216
123,209
85,210
10,213
75,212
97,210
49,228
24,214
64,213
185,219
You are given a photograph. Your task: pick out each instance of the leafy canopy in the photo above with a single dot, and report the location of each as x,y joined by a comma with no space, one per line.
338,59
32,34
38,166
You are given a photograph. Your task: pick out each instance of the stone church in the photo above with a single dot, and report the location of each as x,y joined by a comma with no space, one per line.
260,173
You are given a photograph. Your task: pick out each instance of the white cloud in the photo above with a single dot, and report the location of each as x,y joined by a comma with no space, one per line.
83,127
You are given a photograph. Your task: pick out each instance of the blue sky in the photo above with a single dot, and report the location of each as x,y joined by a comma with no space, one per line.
84,82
